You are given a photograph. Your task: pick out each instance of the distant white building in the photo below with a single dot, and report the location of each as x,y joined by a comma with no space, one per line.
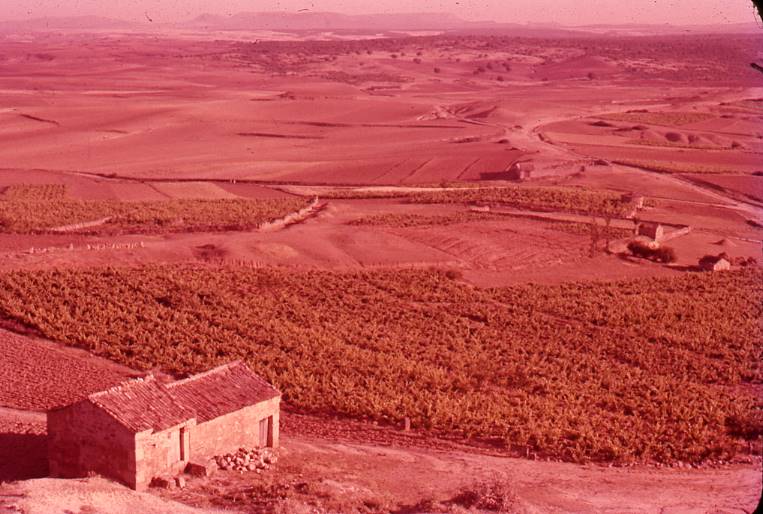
714,263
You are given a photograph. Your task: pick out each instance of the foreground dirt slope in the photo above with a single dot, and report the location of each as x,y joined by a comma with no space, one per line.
332,475
343,466
413,475
92,495
405,474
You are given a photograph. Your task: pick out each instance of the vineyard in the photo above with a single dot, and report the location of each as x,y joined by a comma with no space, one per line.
670,144
25,209
533,198
630,371
422,220
670,119
673,167
42,193
584,229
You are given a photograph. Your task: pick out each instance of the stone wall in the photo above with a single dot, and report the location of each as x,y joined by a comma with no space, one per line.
292,218
158,453
83,439
228,433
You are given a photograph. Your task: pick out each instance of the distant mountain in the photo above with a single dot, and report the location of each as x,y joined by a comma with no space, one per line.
313,21
326,21
70,23
637,28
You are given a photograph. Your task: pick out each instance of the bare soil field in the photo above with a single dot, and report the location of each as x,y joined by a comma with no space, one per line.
39,375
109,121
748,187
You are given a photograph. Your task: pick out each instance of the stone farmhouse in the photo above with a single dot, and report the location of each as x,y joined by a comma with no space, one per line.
143,428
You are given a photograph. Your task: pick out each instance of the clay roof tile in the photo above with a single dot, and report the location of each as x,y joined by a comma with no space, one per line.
142,404
222,390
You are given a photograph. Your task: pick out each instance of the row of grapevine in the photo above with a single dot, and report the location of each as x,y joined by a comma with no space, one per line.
626,371
40,209
575,200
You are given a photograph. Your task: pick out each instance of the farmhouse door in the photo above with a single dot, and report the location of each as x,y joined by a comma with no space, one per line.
183,438
265,432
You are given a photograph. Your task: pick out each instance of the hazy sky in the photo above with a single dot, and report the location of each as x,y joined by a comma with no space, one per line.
570,12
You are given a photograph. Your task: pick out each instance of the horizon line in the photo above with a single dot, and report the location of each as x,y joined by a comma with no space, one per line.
149,22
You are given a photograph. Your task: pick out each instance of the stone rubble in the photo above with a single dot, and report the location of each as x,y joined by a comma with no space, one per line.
257,460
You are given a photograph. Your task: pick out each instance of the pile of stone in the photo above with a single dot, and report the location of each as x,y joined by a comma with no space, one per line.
166,482
255,460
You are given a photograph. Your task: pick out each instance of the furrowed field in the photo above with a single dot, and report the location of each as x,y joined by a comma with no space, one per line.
25,209
629,371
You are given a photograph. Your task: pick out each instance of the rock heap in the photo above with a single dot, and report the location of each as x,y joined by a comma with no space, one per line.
247,460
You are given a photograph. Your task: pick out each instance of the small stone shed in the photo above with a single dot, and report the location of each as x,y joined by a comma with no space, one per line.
654,231
521,170
633,198
715,263
144,428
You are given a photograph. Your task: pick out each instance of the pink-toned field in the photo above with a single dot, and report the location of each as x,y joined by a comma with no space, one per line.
232,122
364,125
39,375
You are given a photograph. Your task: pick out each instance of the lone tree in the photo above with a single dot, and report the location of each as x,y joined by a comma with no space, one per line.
595,237
607,231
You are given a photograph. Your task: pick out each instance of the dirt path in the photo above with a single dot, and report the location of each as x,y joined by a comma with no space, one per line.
724,201
411,476
533,139
91,495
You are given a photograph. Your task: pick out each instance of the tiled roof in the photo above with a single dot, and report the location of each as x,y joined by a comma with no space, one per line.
142,404
222,390
145,404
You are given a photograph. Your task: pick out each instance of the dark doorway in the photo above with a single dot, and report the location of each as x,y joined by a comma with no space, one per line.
183,436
